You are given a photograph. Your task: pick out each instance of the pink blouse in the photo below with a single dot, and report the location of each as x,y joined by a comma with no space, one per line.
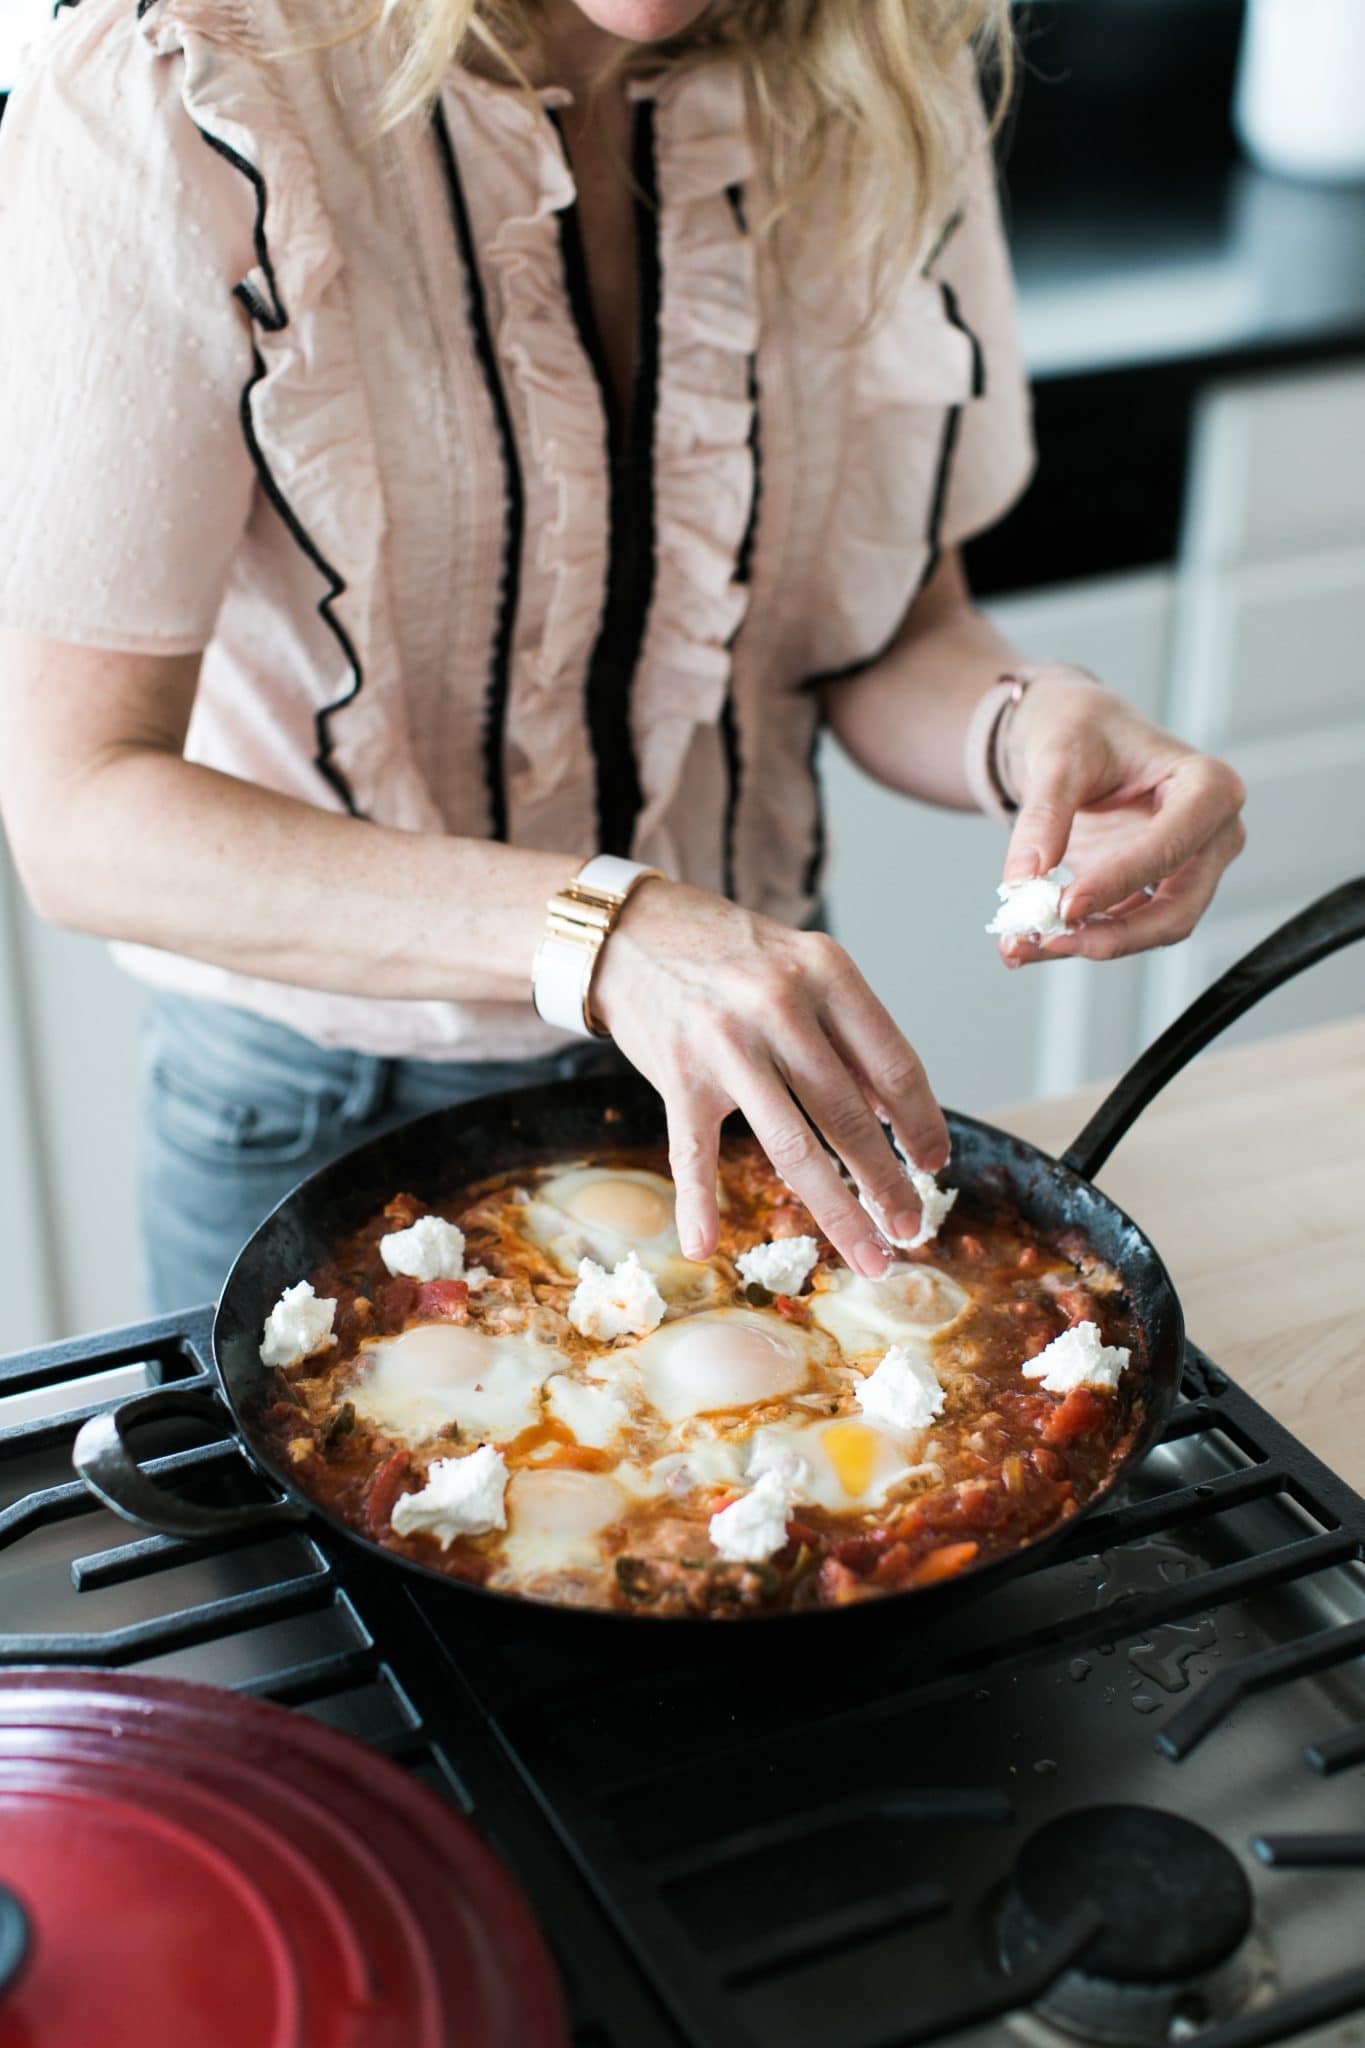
331,408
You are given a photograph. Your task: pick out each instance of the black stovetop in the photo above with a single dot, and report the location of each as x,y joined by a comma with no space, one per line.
795,1853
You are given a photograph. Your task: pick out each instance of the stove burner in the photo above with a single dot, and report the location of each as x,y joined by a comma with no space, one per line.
1173,1952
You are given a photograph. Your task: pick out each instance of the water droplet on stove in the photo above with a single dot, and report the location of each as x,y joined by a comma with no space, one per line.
983,1692
1079,1668
1164,1660
1111,1693
1045,1766
1106,1649
1143,1703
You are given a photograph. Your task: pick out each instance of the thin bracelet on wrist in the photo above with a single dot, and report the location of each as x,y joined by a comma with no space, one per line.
981,761
580,918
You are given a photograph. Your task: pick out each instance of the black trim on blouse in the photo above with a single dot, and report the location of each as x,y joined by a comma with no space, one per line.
499,677
630,456
272,316
729,723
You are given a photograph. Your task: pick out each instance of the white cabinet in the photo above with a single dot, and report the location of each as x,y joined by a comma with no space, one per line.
1268,668
68,1117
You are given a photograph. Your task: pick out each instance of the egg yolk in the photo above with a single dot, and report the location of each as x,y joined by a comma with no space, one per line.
621,1205
851,1448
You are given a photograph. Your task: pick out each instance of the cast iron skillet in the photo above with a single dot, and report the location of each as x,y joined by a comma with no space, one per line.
435,1153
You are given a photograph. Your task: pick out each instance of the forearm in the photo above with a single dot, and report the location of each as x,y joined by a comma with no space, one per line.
158,850
905,718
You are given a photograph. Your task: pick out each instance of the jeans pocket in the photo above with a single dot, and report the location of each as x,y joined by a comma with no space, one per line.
216,1127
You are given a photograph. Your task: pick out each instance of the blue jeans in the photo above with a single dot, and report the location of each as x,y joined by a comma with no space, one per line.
237,1111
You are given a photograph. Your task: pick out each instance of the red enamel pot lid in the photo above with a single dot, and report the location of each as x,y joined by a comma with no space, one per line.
193,1866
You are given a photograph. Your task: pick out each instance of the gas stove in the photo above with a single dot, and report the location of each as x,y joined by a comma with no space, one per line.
1117,1800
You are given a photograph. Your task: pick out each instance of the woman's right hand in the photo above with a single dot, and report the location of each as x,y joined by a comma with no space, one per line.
722,1009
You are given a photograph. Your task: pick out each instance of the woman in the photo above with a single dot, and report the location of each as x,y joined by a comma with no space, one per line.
496,439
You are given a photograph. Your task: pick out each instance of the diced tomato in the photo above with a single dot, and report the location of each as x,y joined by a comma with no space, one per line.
837,1584
859,1553
1080,1414
445,1299
970,1247
942,1563
790,1306
1047,1464
385,1488
397,1300
894,1566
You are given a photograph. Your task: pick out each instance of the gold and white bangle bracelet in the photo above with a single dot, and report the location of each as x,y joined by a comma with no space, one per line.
581,917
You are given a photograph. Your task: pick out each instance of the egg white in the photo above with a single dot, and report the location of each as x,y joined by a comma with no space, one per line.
605,1212
555,1519
436,1373
726,1358
911,1304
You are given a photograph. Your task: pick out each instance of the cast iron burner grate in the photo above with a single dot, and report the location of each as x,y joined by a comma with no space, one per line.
801,1855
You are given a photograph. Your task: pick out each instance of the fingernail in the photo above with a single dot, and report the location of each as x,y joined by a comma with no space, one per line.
870,1259
1022,865
907,1223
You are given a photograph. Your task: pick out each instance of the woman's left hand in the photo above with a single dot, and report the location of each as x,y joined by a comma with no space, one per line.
1145,823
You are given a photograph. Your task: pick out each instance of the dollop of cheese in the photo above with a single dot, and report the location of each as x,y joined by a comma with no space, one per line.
753,1527
299,1324
782,1265
1078,1359
903,1392
1031,908
431,1249
462,1497
622,1303
934,1204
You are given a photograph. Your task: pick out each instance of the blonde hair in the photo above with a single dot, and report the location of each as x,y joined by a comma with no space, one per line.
871,90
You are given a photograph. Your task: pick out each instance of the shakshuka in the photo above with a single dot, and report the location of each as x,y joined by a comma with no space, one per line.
530,1389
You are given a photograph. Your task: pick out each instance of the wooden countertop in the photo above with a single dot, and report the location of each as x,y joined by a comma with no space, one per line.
1248,1174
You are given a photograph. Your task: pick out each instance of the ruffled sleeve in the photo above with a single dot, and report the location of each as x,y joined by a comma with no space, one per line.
127,485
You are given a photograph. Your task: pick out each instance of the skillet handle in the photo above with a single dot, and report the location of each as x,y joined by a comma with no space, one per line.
1334,921
106,1464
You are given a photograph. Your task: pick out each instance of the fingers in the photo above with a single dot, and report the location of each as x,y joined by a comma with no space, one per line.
792,1146
693,1156
838,1108
1058,783
891,1073
1196,801
1161,919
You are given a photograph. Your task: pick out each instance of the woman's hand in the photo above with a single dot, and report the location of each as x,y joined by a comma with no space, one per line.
1146,824
721,1010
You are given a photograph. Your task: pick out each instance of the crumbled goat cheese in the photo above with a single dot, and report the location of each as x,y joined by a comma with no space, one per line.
782,1265
1078,1359
1031,909
431,1249
462,1497
622,1303
477,1276
934,1204
753,1527
903,1392
297,1326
